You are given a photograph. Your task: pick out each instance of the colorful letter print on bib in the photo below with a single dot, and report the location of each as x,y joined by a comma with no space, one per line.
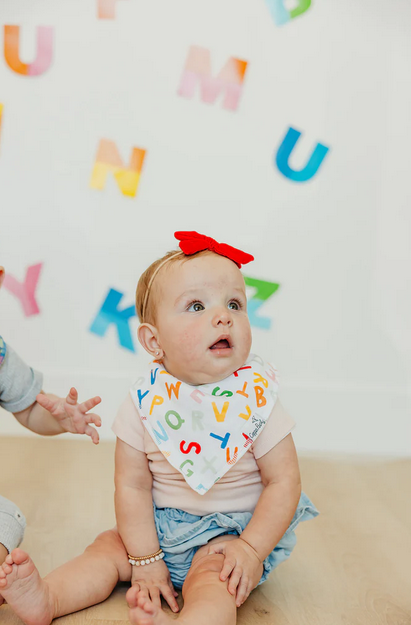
204,430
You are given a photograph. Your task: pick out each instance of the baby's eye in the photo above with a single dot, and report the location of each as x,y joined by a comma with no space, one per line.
195,307
234,305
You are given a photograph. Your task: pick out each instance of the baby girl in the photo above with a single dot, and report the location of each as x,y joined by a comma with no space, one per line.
207,482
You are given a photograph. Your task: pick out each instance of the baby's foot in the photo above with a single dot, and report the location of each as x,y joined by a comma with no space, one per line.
24,590
143,611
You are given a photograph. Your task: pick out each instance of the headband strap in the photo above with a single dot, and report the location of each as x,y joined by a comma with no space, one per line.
143,312
192,242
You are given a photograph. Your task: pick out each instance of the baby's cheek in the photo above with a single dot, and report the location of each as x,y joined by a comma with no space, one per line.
189,344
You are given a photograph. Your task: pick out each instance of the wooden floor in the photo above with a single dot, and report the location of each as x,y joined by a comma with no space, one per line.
351,566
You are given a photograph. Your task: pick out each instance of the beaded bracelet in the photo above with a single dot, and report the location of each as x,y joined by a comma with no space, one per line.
142,560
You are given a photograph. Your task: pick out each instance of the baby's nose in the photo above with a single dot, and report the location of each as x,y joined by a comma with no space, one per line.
223,317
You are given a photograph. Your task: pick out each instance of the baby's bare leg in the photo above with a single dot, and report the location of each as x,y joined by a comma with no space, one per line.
78,584
206,598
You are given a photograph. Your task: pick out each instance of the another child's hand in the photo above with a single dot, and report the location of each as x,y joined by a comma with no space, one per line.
71,416
154,580
241,563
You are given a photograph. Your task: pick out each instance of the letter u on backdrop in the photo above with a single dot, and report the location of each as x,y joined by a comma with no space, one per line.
44,53
284,153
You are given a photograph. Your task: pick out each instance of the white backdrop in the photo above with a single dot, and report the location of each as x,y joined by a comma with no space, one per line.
338,245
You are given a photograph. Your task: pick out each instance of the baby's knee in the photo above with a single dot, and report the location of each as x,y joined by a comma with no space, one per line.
106,541
110,546
208,566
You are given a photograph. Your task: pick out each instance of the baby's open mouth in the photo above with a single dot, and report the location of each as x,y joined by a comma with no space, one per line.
221,344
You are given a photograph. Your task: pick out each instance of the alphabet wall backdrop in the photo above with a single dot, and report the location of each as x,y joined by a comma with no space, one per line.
278,126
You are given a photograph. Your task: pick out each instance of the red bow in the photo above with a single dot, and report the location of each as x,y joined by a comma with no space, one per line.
193,242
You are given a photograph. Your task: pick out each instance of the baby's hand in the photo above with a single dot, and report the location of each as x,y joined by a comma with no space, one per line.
72,416
153,581
241,563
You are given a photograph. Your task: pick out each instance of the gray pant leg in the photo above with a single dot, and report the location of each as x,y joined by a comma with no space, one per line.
12,524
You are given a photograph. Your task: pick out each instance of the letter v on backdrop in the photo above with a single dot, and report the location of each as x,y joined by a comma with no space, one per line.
229,81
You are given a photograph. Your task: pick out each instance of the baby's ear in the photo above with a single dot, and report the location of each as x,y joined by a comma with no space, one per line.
2,274
147,335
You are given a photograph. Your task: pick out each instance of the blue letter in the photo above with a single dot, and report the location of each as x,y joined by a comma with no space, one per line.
284,152
109,313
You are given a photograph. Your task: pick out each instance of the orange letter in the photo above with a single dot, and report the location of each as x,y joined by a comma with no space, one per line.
243,391
173,389
259,395
234,458
108,159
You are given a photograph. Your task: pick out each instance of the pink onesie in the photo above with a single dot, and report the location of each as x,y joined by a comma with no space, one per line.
237,491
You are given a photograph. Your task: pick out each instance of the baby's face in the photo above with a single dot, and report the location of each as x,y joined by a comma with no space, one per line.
202,321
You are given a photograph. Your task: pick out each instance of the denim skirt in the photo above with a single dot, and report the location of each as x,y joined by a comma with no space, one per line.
181,534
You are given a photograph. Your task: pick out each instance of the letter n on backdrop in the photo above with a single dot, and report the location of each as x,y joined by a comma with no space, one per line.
229,81
109,160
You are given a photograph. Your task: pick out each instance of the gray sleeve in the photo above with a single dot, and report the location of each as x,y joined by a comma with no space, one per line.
19,383
12,524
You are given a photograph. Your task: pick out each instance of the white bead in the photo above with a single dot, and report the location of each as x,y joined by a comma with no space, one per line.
142,563
152,560
157,557
132,562
162,555
137,563
147,561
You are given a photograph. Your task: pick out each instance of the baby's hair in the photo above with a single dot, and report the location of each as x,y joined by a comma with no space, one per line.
145,298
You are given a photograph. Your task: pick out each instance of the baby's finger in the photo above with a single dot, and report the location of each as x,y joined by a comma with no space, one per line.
72,397
168,595
242,591
89,404
44,401
227,568
92,433
155,596
91,417
234,580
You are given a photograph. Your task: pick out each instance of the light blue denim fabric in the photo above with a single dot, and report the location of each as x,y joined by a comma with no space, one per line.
181,534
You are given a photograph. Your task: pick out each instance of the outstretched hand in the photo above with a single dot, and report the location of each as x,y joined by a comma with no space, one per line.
241,563
71,416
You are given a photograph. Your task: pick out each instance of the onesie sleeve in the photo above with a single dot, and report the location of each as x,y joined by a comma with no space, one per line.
127,425
278,426
19,383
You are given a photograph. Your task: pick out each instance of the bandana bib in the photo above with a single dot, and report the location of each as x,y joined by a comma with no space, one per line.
2,351
204,430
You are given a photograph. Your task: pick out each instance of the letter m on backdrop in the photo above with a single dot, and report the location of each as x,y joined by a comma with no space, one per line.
229,81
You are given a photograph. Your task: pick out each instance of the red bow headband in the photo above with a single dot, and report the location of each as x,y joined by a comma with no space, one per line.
193,242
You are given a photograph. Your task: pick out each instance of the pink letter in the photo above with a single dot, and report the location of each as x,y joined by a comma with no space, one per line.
44,51
25,292
198,70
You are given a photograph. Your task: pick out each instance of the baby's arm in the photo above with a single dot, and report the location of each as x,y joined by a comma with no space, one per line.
278,502
51,415
275,509
135,522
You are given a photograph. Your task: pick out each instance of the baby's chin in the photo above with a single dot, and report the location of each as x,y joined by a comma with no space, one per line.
209,375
